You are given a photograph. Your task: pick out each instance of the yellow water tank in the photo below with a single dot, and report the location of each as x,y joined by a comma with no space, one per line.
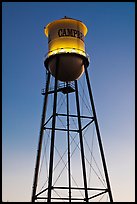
66,45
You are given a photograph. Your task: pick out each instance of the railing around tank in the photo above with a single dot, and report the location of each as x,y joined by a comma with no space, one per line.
61,87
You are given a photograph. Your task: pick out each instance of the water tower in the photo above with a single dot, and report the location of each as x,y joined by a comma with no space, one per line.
67,177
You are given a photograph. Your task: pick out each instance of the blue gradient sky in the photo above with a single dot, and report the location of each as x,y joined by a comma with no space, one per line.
110,45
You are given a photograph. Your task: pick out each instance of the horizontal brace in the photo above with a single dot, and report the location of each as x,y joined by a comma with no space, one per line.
82,116
65,198
61,129
72,188
78,188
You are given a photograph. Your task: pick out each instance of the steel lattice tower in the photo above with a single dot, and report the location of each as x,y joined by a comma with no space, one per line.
67,88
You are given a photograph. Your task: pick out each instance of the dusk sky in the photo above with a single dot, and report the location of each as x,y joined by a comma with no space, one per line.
110,43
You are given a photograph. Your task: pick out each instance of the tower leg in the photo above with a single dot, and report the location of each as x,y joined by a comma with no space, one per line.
40,139
98,135
81,142
68,137
53,134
